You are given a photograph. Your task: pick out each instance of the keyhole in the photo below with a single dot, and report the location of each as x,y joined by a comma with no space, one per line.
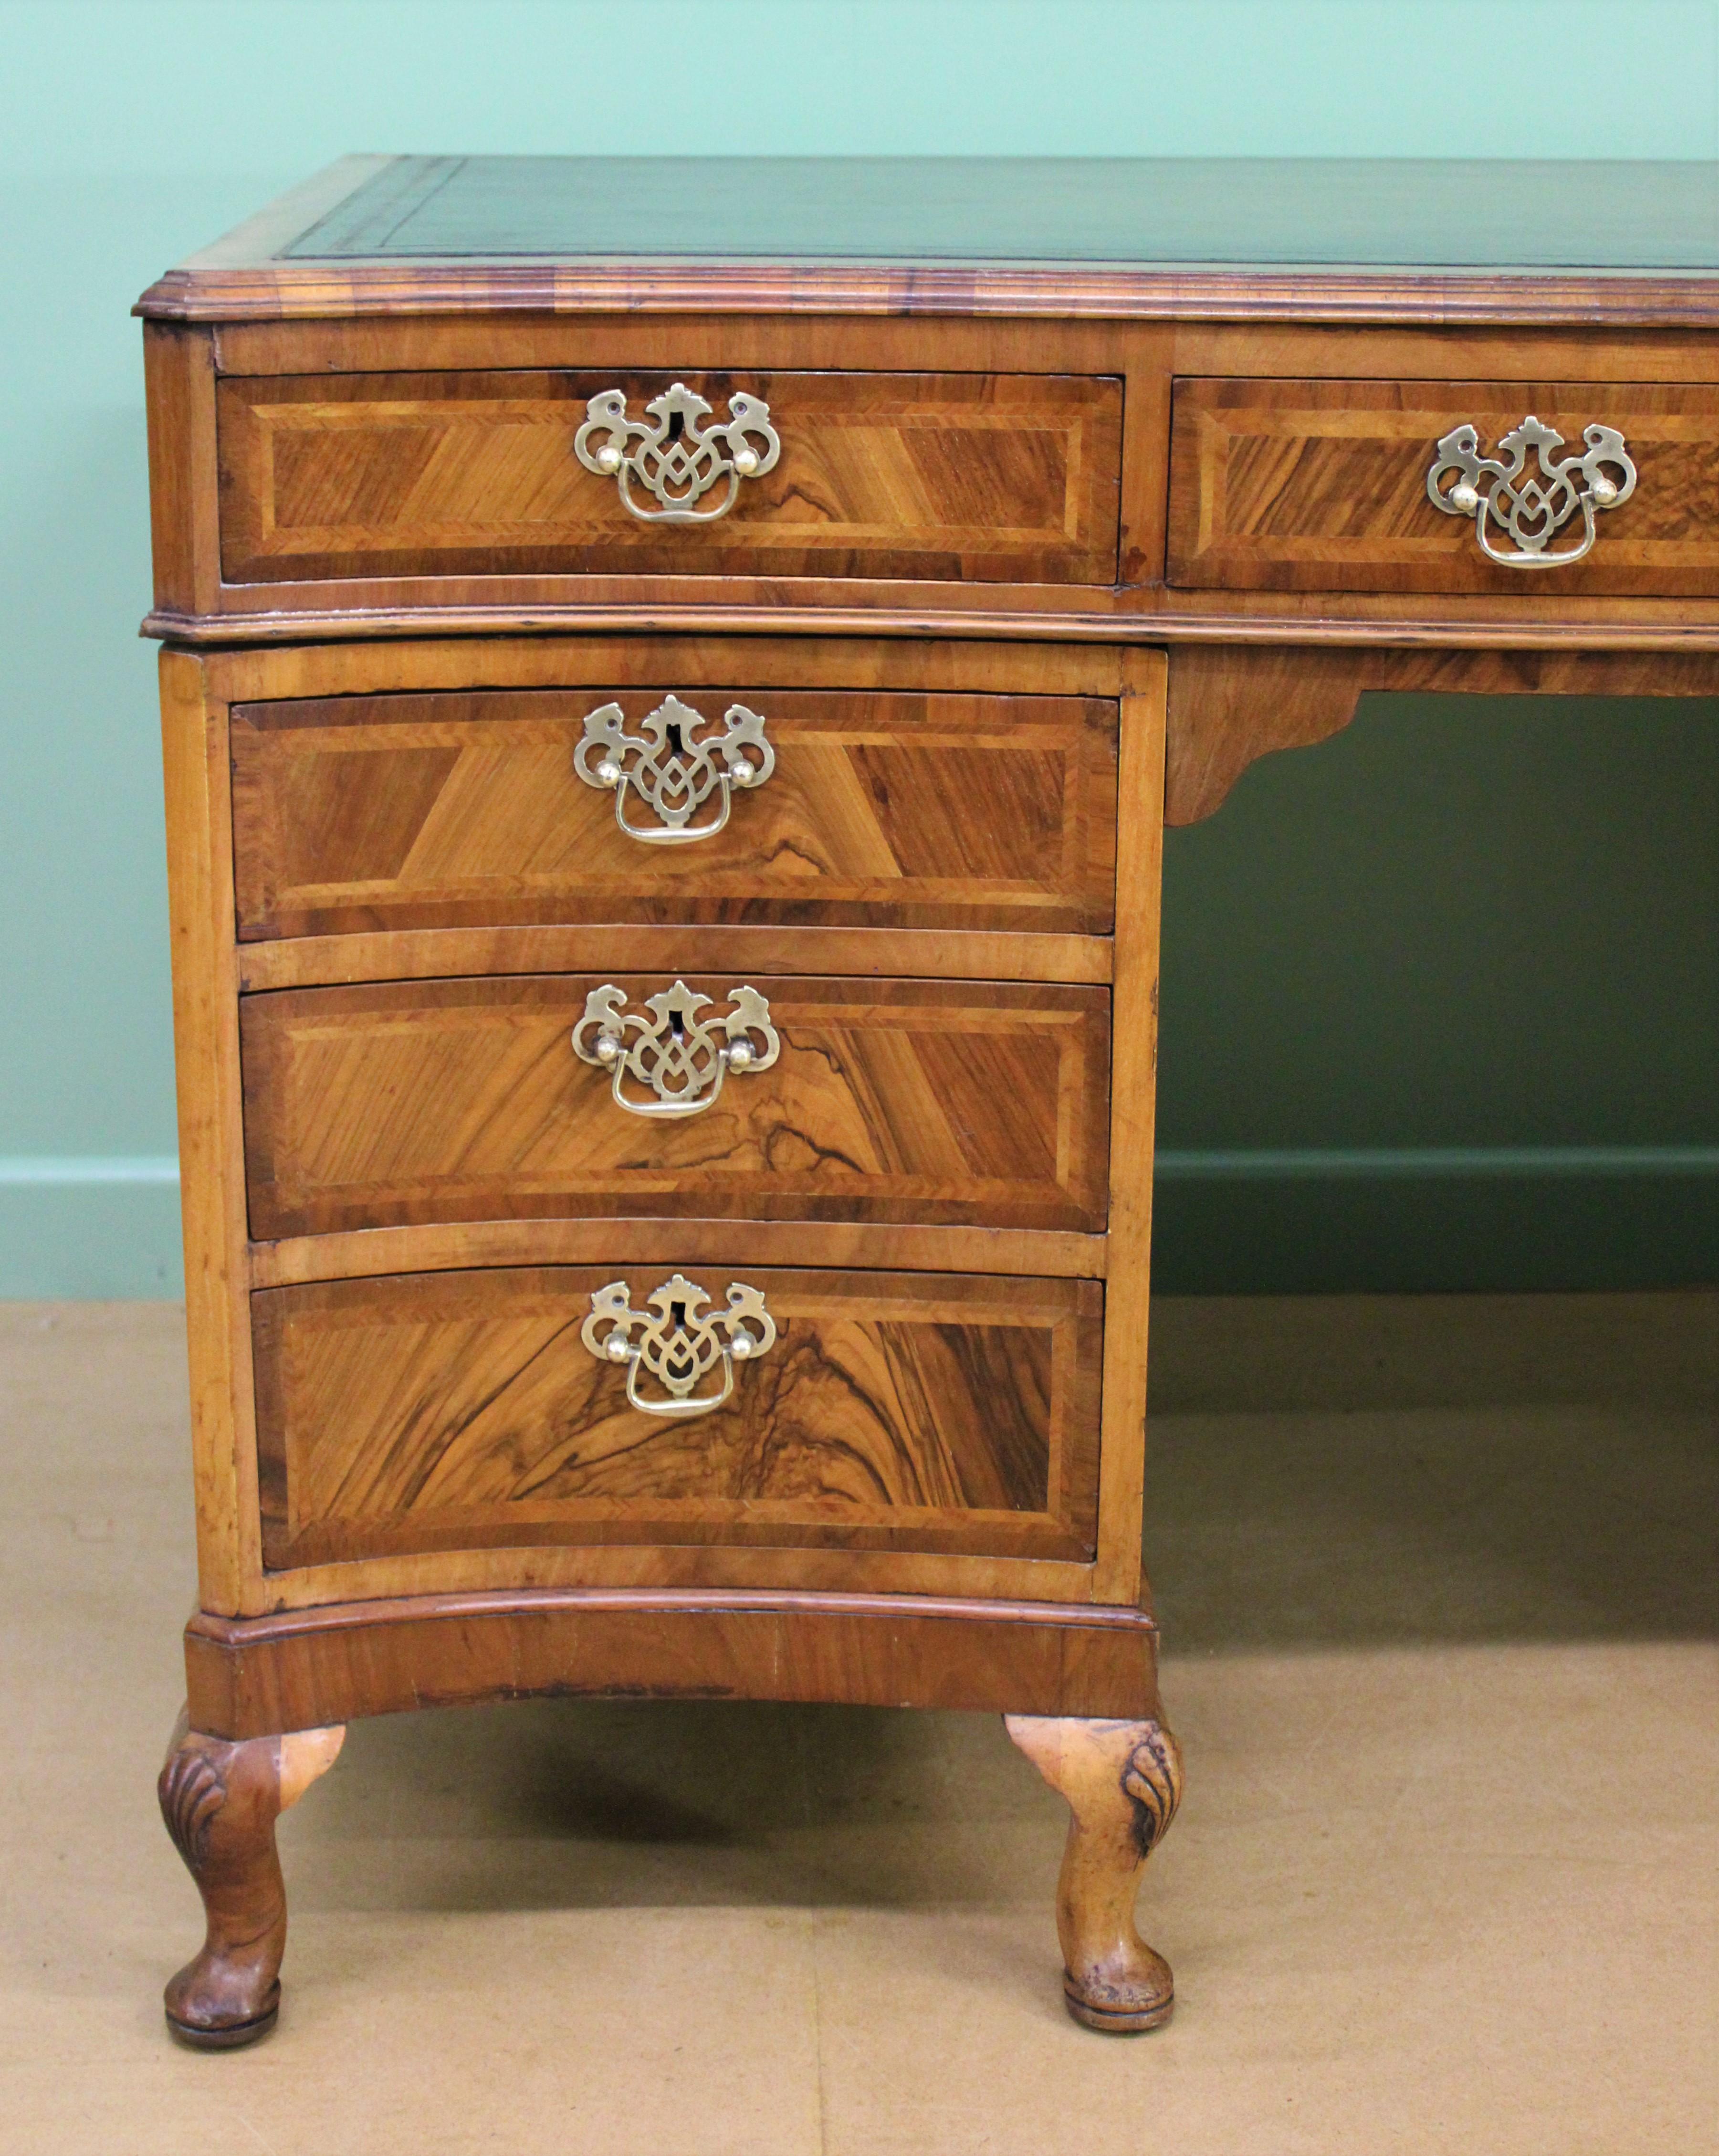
677,1316
677,1025
674,741
677,425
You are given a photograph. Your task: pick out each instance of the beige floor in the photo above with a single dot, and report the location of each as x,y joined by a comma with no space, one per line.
1438,1579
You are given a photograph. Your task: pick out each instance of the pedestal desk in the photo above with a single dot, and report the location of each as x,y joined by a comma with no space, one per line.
675,675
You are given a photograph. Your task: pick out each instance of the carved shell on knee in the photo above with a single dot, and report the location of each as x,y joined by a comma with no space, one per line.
1151,1782
191,1792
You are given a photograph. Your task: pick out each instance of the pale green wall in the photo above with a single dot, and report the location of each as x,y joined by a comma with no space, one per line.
1441,1004
1413,939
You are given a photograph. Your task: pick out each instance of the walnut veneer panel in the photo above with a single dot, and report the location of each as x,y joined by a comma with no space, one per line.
996,478
935,1101
912,811
458,1411
301,1669
1321,486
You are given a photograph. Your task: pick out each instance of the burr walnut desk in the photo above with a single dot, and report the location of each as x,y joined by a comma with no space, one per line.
674,677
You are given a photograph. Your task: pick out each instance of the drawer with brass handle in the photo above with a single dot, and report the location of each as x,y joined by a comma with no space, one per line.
947,1102
994,478
1604,488
829,807
551,1404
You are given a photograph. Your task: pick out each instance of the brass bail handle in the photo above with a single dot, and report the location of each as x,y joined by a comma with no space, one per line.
1529,510
672,456
676,1049
677,1341
673,766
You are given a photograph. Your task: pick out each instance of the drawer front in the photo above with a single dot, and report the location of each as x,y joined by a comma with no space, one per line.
995,477
466,1410
358,812
937,1101
1322,487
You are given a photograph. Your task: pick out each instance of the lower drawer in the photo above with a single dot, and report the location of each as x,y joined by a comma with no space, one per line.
557,1405
395,1103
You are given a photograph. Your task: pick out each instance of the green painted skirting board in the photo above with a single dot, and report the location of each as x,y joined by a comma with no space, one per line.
1425,1220
90,1227
32,1169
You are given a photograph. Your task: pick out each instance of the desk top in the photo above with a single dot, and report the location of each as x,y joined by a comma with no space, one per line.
1094,235
1471,212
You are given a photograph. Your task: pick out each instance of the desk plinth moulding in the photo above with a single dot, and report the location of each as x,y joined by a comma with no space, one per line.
667,738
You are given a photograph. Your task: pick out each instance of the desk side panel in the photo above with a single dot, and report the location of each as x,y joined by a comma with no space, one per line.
211,1137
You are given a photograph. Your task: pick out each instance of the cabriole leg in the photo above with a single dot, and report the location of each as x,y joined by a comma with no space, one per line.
220,1801
1122,1781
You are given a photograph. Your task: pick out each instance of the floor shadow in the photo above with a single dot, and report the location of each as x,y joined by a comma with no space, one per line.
1474,1469
683,1802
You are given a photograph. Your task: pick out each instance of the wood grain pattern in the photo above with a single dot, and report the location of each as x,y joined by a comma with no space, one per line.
179,397
211,1141
919,1411
622,343
1599,351
219,1802
1059,1583
1229,704
442,809
746,948
1123,1783
1138,615
1133,1130
408,1101
677,1239
322,290
999,478
1322,486
637,655
300,1668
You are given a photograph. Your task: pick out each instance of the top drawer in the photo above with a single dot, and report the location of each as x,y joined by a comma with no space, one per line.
1305,486
996,478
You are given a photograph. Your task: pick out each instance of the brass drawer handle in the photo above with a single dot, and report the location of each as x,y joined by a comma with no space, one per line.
677,459
671,767
679,1342
1529,512
676,1054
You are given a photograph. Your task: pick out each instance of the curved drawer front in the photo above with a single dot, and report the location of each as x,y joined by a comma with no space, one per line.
464,1410
935,1101
879,809
1279,485
1011,478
